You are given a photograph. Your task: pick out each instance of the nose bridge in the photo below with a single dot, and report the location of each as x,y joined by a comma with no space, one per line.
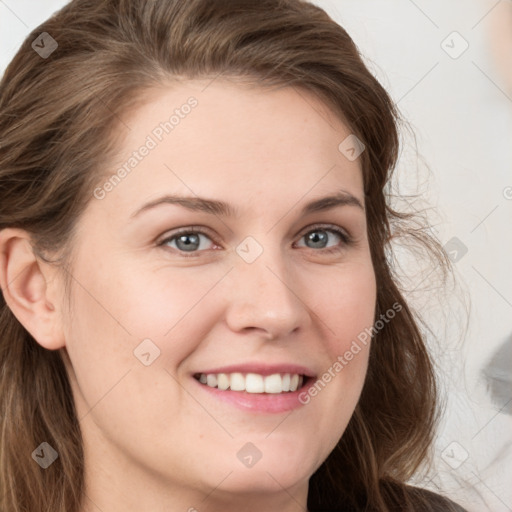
265,295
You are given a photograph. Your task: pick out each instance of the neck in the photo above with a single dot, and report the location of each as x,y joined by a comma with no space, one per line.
131,493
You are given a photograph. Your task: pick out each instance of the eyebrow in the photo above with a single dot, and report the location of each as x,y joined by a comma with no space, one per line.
223,209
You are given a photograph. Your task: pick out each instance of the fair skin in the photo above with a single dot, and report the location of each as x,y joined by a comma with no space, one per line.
154,437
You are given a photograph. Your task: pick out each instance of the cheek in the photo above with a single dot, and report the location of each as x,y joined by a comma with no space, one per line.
114,314
134,304
346,306
112,318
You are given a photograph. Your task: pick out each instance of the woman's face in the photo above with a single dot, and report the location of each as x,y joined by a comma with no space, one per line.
262,285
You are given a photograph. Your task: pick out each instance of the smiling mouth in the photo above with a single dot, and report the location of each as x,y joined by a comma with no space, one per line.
253,382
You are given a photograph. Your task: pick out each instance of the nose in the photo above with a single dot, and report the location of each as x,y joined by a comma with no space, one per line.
264,296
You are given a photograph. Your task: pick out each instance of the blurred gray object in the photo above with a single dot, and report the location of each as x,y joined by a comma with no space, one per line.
497,373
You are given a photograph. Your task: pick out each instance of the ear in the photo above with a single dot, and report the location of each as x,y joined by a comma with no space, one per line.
30,289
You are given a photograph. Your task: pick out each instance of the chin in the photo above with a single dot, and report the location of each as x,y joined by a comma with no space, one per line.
271,469
262,478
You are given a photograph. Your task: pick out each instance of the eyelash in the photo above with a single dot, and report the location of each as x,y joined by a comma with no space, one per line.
345,237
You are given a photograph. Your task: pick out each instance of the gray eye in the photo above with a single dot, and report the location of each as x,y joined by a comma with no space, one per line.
189,241
319,241
318,238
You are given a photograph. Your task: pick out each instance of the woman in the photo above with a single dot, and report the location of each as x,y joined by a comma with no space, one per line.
198,308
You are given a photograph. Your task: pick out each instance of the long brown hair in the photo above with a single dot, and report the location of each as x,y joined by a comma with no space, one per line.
61,117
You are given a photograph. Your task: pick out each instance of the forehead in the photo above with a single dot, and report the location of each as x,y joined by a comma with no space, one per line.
239,143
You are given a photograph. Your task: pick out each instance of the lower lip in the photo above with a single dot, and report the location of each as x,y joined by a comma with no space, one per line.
259,402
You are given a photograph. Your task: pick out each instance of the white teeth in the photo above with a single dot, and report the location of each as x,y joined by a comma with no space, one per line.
222,381
273,384
253,382
237,382
286,382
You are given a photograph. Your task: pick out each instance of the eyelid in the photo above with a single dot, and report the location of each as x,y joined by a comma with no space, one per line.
185,230
326,226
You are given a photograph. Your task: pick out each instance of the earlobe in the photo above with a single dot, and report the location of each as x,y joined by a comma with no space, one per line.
28,289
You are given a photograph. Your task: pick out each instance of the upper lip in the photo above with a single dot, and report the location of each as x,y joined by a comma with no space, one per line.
261,369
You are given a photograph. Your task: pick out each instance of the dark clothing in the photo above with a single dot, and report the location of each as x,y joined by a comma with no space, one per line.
415,499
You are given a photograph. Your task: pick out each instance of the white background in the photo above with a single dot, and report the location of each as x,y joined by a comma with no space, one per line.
461,112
